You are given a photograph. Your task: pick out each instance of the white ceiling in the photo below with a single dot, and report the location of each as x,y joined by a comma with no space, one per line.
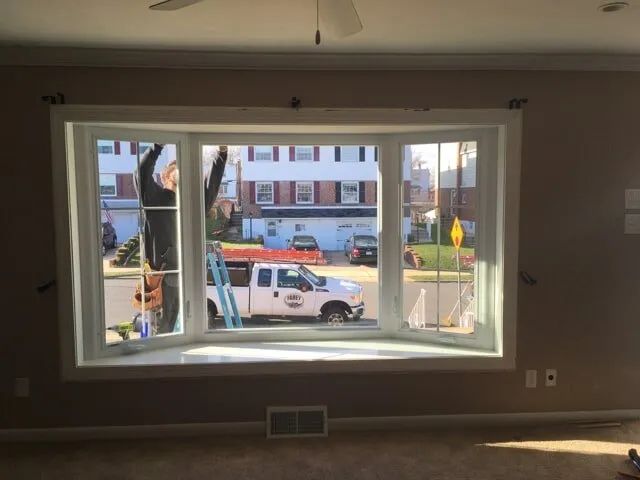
288,26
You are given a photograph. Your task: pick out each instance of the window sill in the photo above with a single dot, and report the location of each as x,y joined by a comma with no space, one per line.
281,358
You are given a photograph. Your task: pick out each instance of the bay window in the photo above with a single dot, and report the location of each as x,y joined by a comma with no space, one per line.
422,297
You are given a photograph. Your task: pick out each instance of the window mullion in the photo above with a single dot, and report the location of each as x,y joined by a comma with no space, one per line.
390,236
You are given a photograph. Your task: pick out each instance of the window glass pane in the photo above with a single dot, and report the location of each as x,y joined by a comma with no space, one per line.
140,240
264,153
350,192
350,153
297,216
439,280
264,277
304,154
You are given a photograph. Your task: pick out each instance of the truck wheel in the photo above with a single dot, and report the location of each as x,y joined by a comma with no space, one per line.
212,311
335,316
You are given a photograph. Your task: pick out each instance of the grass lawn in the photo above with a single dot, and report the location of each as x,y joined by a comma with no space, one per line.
444,277
429,251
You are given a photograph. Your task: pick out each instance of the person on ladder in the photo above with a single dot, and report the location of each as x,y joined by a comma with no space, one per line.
160,226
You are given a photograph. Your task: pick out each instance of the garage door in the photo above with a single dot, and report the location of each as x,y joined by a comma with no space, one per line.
344,229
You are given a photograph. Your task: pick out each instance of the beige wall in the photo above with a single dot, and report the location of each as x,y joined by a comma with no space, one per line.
581,148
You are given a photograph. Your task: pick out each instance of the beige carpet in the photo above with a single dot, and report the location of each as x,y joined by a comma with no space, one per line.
525,453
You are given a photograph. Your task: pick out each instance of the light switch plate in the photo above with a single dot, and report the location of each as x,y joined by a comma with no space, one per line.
531,379
632,223
632,199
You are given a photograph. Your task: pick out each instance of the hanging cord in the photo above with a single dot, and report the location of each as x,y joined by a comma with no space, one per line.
317,22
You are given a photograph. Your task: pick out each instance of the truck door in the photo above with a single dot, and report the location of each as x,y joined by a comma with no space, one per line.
293,295
262,292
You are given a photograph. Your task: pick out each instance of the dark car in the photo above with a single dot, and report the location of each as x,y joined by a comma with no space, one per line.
305,243
361,248
109,237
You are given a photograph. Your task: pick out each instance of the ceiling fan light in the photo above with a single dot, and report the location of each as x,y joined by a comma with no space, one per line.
611,7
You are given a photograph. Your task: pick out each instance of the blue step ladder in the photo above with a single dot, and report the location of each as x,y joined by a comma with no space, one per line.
223,286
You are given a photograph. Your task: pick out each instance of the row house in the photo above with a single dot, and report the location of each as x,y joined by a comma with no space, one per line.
329,192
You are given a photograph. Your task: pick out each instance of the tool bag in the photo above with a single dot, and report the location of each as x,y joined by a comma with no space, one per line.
152,293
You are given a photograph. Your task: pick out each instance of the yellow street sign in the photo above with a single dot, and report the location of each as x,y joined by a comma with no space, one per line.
457,234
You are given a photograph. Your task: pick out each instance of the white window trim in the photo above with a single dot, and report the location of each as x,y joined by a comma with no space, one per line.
310,202
297,149
115,185
508,171
342,193
271,202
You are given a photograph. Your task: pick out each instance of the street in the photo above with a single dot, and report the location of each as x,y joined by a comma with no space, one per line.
118,308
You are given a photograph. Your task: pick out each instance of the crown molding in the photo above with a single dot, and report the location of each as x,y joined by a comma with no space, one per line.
106,57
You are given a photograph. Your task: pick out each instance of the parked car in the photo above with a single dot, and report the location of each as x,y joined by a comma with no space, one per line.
288,290
109,237
305,243
361,248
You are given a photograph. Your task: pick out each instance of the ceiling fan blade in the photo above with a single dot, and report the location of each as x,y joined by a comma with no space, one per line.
340,16
173,4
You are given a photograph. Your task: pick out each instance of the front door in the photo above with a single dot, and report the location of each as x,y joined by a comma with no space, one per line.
288,295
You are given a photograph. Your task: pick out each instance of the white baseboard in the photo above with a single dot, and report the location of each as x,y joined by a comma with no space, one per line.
417,422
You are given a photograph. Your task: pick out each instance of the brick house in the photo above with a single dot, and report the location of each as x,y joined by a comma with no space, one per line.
329,192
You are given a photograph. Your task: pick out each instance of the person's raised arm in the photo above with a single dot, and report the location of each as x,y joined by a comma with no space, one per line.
148,185
212,184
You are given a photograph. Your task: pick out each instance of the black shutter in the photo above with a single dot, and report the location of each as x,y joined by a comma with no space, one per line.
338,191
337,155
361,192
362,154
375,154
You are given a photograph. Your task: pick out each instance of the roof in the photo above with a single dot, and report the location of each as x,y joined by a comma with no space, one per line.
345,212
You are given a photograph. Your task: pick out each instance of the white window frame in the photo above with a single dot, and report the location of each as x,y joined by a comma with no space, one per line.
349,157
224,189
304,149
307,184
114,184
70,125
263,150
270,202
344,199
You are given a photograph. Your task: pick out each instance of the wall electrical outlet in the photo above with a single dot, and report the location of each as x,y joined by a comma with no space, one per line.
531,379
550,377
21,387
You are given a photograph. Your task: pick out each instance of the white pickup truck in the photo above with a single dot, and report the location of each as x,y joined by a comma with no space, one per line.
287,290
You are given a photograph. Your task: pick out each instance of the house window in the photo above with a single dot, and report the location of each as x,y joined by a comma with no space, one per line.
224,189
264,153
105,148
264,192
304,192
304,154
422,303
108,185
350,192
350,153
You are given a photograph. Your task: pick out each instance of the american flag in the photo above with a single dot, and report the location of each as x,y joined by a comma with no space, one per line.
107,214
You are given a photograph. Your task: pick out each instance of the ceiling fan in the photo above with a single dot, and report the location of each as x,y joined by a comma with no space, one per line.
340,16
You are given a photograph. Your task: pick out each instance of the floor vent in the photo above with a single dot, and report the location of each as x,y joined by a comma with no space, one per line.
286,422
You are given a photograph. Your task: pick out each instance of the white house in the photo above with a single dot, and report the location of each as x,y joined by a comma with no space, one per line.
329,192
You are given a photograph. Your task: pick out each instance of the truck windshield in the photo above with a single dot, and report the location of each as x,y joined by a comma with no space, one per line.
310,275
